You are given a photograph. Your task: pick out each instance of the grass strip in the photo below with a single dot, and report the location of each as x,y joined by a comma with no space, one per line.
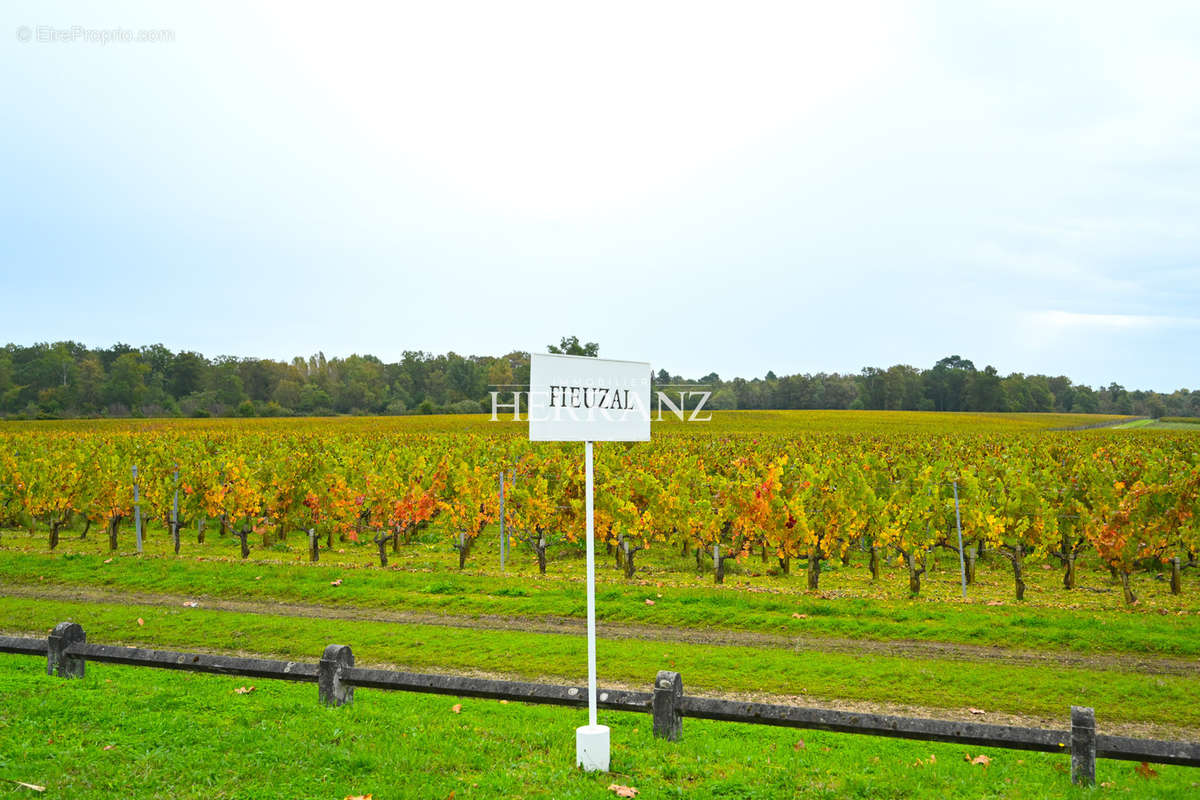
129,732
1167,633
1045,692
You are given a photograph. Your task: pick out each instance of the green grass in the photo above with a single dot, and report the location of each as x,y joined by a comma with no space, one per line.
136,732
1137,423
1161,624
1042,691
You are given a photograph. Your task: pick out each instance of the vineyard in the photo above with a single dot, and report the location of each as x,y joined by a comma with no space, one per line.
804,558
747,493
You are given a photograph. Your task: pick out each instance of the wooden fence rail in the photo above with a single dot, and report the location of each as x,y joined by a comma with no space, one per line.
67,651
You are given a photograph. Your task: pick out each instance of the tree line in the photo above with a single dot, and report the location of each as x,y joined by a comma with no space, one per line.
69,379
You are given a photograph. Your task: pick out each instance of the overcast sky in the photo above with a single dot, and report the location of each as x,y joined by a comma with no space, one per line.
739,187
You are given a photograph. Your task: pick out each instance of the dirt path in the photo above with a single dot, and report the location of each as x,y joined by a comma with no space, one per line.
615,630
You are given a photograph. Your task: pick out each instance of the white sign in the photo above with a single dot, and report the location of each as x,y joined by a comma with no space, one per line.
582,399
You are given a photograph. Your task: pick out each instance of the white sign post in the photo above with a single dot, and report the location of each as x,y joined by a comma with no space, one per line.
581,399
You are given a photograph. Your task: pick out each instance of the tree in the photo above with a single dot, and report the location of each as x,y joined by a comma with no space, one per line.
570,346
903,388
946,383
985,391
226,383
186,373
89,389
1064,393
500,374
723,400
1017,396
127,380
287,393
873,388
1086,401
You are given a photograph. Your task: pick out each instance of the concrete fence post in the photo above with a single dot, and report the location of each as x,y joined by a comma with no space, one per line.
668,721
1083,746
58,663
330,689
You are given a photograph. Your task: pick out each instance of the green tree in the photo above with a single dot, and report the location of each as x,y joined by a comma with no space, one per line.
500,374
985,391
570,346
186,374
226,383
89,388
127,380
946,383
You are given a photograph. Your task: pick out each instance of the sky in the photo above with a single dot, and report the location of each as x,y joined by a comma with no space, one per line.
796,187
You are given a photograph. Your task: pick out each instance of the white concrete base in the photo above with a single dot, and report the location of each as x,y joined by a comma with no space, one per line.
591,748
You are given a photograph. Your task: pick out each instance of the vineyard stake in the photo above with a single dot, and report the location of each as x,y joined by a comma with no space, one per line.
962,564
137,512
175,513
503,536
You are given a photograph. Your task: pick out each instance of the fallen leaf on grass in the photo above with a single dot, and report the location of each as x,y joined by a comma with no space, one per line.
33,786
622,791
1145,771
980,759
338,582
995,602
799,745
258,577
1047,566
108,561
799,616
141,621
109,746
190,604
456,708
649,602
243,690
976,710
503,702
358,797
1110,784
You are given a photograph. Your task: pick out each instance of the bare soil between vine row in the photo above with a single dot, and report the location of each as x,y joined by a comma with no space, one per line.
620,630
